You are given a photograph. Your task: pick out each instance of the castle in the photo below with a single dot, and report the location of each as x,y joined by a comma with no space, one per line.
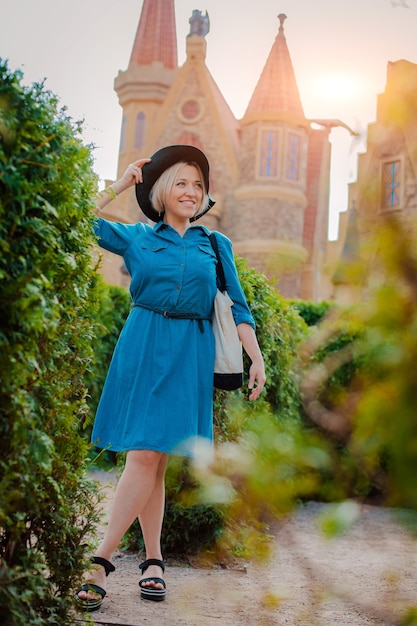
269,171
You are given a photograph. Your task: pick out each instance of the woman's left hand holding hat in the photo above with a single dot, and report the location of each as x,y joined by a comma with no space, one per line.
131,176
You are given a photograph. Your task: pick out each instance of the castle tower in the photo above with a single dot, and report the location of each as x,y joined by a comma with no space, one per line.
143,87
196,113
271,195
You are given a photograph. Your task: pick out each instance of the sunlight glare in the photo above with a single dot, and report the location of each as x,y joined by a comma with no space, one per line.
338,87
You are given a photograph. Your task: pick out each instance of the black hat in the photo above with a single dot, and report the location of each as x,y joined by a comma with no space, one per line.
162,160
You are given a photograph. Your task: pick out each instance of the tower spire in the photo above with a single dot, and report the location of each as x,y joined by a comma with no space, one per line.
277,90
156,37
282,17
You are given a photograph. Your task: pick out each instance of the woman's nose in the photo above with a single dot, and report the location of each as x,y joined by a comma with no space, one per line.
190,190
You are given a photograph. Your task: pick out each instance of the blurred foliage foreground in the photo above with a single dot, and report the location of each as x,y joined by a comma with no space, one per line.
356,437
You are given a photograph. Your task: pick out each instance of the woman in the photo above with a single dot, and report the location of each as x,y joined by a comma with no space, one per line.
157,398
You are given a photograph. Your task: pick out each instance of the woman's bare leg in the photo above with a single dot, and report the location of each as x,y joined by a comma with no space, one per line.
133,492
151,519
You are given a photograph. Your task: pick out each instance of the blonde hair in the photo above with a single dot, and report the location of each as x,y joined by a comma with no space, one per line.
164,184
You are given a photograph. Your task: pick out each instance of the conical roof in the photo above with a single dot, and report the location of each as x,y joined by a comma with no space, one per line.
156,37
277,90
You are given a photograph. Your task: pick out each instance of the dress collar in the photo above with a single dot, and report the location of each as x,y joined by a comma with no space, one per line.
161,224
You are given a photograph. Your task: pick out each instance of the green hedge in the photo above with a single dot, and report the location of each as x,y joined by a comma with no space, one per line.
46,346
311,312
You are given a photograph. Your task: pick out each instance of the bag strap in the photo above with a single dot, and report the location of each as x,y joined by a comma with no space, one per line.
219,268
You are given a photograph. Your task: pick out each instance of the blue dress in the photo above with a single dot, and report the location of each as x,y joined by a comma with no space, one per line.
158,393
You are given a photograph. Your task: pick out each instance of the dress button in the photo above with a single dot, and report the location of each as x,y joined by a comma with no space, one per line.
177,287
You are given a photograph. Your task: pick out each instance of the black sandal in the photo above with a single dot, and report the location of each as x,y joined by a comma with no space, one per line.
151,593
93,605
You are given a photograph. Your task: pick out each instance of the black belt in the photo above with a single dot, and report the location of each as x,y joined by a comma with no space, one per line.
181,315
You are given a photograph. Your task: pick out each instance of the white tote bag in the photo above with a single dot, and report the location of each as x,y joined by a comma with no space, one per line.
228,364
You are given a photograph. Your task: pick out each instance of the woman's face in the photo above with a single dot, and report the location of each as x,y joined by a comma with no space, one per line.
186,195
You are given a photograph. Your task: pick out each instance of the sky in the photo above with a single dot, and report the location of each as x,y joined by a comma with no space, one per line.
339,49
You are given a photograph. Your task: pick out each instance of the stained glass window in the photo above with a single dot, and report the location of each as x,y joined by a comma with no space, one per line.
293,157
391,184
268,164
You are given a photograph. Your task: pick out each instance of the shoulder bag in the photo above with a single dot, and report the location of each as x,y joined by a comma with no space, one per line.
228,364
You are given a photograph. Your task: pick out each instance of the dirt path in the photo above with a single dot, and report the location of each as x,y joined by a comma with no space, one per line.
366,577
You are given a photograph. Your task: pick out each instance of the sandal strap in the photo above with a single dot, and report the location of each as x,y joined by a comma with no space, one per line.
144,566
98,560
154,580
91,587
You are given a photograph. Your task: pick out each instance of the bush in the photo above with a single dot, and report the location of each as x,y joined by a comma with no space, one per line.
384,426
47,504
360,386
311,312
280,329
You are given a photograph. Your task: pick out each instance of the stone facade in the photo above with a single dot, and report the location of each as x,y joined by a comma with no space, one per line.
387,172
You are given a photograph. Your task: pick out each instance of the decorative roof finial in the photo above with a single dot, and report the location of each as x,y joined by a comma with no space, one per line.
282,17
199,23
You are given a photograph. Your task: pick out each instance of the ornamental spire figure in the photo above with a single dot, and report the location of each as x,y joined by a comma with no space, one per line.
199,24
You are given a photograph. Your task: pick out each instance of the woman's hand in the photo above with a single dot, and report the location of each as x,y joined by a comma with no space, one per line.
257,370
256,375
131,176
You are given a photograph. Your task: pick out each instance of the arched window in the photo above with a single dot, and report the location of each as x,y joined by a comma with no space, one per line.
268,162
391,184
140,131
293,157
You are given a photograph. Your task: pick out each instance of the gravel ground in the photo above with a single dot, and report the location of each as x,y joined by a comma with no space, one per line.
368,576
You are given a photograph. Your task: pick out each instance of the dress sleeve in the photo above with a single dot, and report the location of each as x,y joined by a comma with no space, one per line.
114,236
240,308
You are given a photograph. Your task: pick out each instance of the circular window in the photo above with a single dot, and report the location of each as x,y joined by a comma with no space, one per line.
190,110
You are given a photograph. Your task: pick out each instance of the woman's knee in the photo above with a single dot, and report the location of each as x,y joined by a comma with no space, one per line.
144,458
